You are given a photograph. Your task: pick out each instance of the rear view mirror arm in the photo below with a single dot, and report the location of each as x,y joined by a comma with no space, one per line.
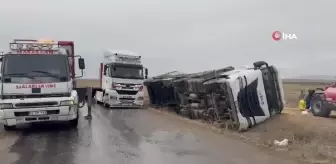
80,75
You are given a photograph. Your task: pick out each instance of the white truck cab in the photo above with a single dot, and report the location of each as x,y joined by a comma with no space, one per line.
36,84
253,94
122,76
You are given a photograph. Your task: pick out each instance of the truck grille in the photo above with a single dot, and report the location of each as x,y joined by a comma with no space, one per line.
36,96
36,104
123,98
125,92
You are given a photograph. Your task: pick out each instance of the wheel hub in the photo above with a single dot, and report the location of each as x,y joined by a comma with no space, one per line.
316,106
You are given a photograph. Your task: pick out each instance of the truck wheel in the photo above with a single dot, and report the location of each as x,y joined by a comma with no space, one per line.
9,128
185,113
74,122
318,106
106,105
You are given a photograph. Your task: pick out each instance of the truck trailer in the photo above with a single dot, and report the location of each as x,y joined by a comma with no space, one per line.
237,98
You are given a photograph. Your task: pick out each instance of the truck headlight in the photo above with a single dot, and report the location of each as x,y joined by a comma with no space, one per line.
140,98
6,106
113,97
67,103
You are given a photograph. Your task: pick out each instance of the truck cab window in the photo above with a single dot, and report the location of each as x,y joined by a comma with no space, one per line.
109,71
127,71
39,68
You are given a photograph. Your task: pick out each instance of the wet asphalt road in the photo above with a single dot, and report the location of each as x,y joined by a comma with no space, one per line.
126,136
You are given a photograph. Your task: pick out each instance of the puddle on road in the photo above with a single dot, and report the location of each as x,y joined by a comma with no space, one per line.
172,147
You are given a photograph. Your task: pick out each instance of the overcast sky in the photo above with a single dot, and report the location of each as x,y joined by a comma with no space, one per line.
184,35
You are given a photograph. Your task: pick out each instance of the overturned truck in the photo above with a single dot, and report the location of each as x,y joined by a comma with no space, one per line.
234,98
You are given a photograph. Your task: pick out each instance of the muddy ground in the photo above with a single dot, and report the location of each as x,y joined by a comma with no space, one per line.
127,136
311,139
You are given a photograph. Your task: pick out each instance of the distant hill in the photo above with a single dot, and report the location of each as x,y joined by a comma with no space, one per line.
316,79
320,77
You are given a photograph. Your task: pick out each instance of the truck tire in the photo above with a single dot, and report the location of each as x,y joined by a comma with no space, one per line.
9,128
74,122
185,113
319,106
106,105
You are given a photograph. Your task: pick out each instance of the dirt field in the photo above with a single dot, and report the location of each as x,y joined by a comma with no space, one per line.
311,139
82,83
292,92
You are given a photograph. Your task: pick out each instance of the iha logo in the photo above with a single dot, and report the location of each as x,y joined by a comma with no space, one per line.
277,36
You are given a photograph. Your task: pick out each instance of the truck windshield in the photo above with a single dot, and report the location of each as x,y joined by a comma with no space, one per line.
35,68
127,72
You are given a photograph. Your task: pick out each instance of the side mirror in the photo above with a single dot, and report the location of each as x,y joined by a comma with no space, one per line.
105,69
146,73
81,63
1,59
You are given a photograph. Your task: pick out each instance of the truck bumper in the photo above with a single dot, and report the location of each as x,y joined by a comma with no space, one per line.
13,117
123,105
116,100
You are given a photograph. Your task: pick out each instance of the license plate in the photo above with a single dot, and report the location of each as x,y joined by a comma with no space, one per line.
126,101
126,104
127,97
38,113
